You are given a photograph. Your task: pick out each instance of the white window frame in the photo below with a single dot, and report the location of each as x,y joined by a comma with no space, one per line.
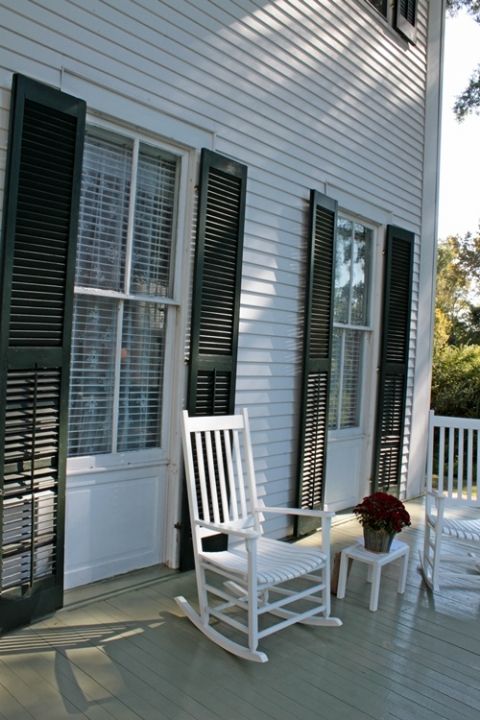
368,348
394,20
173,347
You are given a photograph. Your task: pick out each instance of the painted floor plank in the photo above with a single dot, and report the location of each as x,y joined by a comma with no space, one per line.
40,701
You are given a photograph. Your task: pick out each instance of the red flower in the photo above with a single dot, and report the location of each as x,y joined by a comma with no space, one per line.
381,511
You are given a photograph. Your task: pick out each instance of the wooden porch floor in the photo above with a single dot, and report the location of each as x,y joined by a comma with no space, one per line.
125,653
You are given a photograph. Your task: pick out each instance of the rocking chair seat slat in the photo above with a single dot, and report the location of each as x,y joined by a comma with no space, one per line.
462,529
277,562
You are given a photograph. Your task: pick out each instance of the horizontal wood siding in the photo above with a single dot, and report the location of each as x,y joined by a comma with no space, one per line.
309,94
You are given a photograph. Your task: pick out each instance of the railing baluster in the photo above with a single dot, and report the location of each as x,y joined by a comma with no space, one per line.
459,476
441,459
470,463
451,448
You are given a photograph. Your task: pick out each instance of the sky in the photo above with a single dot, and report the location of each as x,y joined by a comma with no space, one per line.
459,210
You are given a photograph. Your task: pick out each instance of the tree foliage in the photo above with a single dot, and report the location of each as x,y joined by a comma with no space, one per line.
456,381
458,276
469,99
456,351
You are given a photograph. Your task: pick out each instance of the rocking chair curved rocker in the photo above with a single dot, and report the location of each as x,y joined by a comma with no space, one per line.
254,577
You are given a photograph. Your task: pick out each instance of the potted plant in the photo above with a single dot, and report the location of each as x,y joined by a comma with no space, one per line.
382,516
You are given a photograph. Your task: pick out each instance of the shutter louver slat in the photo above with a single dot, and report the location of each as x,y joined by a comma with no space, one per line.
315,440
316,357
31,443
40,227
393,360
320,328
39,323
220,264
213,393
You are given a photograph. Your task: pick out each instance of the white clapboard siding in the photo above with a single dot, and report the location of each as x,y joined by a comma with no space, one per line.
317,94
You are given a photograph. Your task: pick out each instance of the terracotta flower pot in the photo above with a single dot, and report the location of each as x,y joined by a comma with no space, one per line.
377,540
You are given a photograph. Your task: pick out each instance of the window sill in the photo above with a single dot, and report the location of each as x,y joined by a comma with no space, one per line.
346,435
98,464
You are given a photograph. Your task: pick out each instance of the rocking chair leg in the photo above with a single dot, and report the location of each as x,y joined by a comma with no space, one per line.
202,592
252,598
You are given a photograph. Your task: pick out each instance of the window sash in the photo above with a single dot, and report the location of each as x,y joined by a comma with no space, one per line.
352,273
351,326
104,211
151,228
346,396
140,390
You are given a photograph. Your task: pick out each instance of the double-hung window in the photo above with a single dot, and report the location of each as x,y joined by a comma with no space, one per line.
402,14
351,322
123,288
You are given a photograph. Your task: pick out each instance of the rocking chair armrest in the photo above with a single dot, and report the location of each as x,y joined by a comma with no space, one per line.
296,511
246,534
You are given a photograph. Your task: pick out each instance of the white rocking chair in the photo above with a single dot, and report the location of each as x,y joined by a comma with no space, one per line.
255,576
452,504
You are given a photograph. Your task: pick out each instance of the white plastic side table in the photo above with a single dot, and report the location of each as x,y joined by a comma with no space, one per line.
375,562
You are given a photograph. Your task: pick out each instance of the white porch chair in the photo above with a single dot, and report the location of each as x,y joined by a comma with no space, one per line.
256,575
452,504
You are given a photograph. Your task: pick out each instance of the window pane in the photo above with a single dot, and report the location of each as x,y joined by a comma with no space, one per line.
92,376
335,371
360,273
343,262
350,401
141,376
381,6
103,219
154,220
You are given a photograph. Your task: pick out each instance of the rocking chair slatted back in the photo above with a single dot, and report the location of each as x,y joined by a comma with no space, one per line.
224,467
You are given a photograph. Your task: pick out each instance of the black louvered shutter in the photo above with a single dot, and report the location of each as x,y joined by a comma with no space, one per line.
37,265
393,366
216,297
406,18
316,357
216,288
